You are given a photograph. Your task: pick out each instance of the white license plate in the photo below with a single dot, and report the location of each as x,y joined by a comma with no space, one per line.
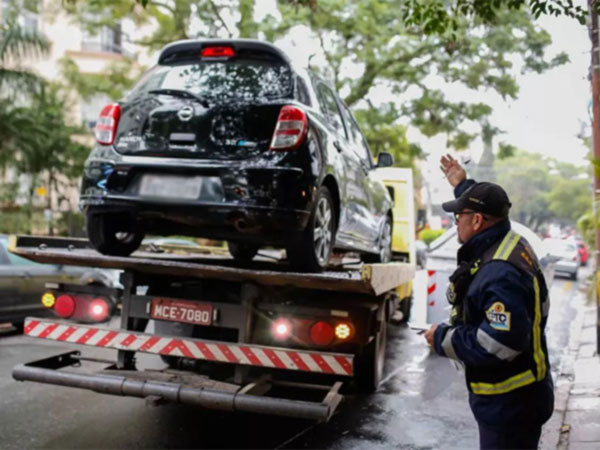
165,186
181,311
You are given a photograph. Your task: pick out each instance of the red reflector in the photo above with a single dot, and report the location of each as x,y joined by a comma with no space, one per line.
64,306
98,309
291,129
106,127
322,333
218,52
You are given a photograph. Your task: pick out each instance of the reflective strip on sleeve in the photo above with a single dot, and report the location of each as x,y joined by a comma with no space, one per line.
496,348
538,352
447,345
520,380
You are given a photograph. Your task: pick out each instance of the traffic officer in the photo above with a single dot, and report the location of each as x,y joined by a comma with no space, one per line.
499,309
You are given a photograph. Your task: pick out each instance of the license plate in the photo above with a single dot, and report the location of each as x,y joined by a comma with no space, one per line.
164,186
181,311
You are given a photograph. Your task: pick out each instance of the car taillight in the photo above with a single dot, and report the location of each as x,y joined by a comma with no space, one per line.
322,333
106,127
218,51
291,129
64,306
98,309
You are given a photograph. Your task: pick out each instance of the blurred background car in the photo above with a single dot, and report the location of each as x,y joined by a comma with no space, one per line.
566,254
22,283
441,263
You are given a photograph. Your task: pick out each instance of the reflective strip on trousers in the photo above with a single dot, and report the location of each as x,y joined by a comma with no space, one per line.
538,352
447,345
520,380
496,348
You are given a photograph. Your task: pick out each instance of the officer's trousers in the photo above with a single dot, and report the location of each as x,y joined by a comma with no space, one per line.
509,438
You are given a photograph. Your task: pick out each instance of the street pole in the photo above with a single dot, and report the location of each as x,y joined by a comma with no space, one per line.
596,144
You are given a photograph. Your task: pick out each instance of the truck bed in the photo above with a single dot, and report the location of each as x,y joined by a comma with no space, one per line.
372,279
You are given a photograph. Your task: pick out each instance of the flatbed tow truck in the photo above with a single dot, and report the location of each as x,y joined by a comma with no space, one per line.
255,338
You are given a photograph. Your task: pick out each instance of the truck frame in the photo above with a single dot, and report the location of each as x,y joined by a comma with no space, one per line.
224,354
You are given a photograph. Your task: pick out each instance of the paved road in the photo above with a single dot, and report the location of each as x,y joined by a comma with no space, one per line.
421,404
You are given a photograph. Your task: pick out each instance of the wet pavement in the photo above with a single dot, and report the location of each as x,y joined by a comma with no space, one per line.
421,404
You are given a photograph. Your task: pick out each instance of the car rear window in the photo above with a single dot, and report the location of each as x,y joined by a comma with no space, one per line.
249,80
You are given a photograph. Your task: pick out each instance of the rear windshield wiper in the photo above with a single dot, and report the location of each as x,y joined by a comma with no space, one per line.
180,93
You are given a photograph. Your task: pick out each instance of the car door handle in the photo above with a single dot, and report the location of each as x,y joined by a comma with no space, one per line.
337,146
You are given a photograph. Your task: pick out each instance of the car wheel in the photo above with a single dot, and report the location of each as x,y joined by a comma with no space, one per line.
312,250
112,234
369,365
241,251
574,276
384,252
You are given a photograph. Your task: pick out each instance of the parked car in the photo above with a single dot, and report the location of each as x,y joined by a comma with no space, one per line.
22,283
441,263
566,254
227,139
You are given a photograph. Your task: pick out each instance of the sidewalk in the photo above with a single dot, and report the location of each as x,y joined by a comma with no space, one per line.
575,424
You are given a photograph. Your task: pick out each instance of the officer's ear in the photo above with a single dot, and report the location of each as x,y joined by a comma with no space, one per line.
478,220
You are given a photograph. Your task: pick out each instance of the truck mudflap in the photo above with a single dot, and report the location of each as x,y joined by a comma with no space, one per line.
339,364
181,387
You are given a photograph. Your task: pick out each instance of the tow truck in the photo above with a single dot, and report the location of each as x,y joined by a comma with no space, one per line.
254,337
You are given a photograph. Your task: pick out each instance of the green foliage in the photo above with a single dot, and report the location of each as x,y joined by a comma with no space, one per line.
570,198
114,81
373,37
428,235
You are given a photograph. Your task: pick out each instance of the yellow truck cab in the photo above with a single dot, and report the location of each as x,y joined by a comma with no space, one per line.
399,182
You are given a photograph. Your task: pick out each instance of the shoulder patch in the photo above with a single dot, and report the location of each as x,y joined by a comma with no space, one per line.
498,317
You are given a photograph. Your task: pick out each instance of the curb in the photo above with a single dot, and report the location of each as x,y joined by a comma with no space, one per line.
555,433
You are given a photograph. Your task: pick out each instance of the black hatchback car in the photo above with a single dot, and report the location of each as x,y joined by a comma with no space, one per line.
225,139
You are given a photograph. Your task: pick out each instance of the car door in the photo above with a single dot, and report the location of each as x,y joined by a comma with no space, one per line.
350,227
372,193
9,284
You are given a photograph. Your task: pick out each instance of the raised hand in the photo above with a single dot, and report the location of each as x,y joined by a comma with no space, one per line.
453,170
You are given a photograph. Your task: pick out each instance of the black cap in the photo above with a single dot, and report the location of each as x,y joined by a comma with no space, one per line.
485,198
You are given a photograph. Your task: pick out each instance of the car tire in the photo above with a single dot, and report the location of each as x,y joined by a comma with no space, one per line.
369,365
311,252
242,252
384,251
574,276
112,234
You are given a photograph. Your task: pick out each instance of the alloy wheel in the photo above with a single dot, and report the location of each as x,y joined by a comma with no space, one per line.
323,232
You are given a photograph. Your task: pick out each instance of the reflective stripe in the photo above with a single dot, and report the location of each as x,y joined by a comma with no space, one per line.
447,345
538,352
520,380
510,247
494,347
503,245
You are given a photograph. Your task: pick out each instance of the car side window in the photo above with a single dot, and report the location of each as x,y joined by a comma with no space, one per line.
302,91
356,136
330,107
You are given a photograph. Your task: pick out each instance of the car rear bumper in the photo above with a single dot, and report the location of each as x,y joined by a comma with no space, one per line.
566,266
256,224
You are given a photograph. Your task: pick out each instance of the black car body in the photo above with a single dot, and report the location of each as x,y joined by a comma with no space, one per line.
227,140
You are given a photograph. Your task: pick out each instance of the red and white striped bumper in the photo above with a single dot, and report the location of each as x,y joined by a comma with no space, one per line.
245,354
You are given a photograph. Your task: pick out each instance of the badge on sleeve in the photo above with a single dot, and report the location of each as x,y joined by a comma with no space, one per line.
498,317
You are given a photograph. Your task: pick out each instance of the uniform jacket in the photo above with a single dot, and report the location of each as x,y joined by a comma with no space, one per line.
500,317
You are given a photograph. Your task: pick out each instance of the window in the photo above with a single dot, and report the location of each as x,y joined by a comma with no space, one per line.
108,39
330,107
28,19
355,136
302,91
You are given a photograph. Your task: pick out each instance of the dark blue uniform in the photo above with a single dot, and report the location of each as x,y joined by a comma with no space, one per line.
497,332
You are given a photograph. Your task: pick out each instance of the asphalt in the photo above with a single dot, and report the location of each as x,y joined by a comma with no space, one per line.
575,424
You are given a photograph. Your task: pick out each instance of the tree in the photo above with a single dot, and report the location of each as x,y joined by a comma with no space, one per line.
372,38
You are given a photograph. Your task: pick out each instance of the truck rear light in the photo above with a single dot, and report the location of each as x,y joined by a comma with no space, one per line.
322,333
106,127
343,330
218,51
282,329
48,300
64,306
291,129
99,309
